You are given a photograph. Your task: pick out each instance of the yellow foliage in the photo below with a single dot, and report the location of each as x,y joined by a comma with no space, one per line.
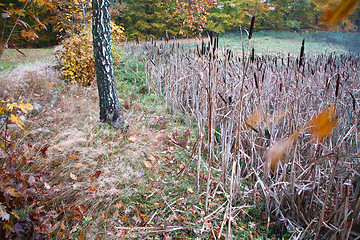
25,106
17,120
8,110
77,58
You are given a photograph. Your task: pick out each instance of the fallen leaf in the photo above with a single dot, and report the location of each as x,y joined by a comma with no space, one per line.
62,226
3,154
132,138
82,209
81,236
73,177
189,190
12,192
79,165
31,179
147,164
3,214
119,205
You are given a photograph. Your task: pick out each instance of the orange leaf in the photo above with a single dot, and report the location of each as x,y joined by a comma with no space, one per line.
323,124
333,15
62,226
81,236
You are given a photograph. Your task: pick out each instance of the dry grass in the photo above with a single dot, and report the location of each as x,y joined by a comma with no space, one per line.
85,163
311,192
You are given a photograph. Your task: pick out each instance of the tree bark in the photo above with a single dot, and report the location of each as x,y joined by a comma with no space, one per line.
108,99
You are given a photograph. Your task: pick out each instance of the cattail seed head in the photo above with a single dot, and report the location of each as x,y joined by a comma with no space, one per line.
251,26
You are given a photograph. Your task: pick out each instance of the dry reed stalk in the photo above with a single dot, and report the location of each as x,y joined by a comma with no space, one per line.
303,179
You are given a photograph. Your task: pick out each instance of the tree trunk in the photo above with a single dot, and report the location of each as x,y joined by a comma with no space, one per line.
108,100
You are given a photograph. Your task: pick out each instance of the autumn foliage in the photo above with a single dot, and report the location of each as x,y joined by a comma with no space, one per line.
76,55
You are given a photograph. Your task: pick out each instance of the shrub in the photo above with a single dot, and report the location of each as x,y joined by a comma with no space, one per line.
76,56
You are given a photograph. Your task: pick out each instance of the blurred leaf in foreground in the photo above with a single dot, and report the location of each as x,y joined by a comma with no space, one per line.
323,124
335,14
276,153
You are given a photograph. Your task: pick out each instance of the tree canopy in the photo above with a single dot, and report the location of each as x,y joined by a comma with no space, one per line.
147,19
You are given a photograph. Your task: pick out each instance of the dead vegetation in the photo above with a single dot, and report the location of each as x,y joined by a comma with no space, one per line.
195,168
247,107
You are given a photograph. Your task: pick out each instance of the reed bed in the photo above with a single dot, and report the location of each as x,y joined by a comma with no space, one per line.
245,106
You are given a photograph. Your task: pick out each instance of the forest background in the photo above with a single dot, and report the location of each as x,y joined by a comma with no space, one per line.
146,20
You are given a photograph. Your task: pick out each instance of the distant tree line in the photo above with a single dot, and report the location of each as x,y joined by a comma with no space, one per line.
156,19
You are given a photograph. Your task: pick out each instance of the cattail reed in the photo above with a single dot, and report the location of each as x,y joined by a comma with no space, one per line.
337,85
251,26
301,60
252,56
256,82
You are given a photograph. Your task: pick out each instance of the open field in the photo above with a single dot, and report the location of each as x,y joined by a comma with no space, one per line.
202,131
11,58
282,43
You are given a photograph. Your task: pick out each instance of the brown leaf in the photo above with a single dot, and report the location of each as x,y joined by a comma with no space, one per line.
11,191
77,216
82,209
97,174
81,236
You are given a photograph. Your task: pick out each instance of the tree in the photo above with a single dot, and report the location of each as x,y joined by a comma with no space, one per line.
108,99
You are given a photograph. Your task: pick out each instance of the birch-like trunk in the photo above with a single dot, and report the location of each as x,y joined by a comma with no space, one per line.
108,100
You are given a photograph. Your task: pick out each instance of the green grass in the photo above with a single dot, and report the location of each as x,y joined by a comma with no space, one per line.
290,42
11,58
